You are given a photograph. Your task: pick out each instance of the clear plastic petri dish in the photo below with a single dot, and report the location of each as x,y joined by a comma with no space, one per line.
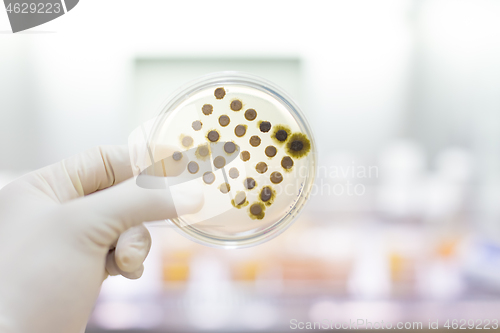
249,146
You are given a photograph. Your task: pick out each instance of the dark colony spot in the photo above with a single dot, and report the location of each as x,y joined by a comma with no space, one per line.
281,135
265,126
297,145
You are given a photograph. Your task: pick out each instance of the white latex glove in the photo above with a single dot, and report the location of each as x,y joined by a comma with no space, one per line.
58,234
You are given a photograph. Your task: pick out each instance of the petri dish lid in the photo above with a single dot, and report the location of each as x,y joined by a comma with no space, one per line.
249,146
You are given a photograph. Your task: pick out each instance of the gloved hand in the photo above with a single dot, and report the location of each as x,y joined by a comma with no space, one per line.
65,227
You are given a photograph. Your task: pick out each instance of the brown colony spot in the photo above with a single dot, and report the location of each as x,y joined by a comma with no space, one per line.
187,141
240,130
255,141
261,167
266,193
203,150
250,114
196,125
213,136
177,156
236,105
224,188
287,163
193,167
219,93
265,126
208,177
271,151
276,177
207,109
219,162
224,120
249,183
245,156
255,209
229,147
234,173
240,198
298,145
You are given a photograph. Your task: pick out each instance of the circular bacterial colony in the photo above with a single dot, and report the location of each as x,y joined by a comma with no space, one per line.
252,151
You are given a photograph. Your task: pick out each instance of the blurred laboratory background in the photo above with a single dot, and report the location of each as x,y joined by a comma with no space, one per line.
403,97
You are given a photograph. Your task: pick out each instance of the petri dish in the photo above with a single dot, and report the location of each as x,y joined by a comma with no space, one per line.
248,143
